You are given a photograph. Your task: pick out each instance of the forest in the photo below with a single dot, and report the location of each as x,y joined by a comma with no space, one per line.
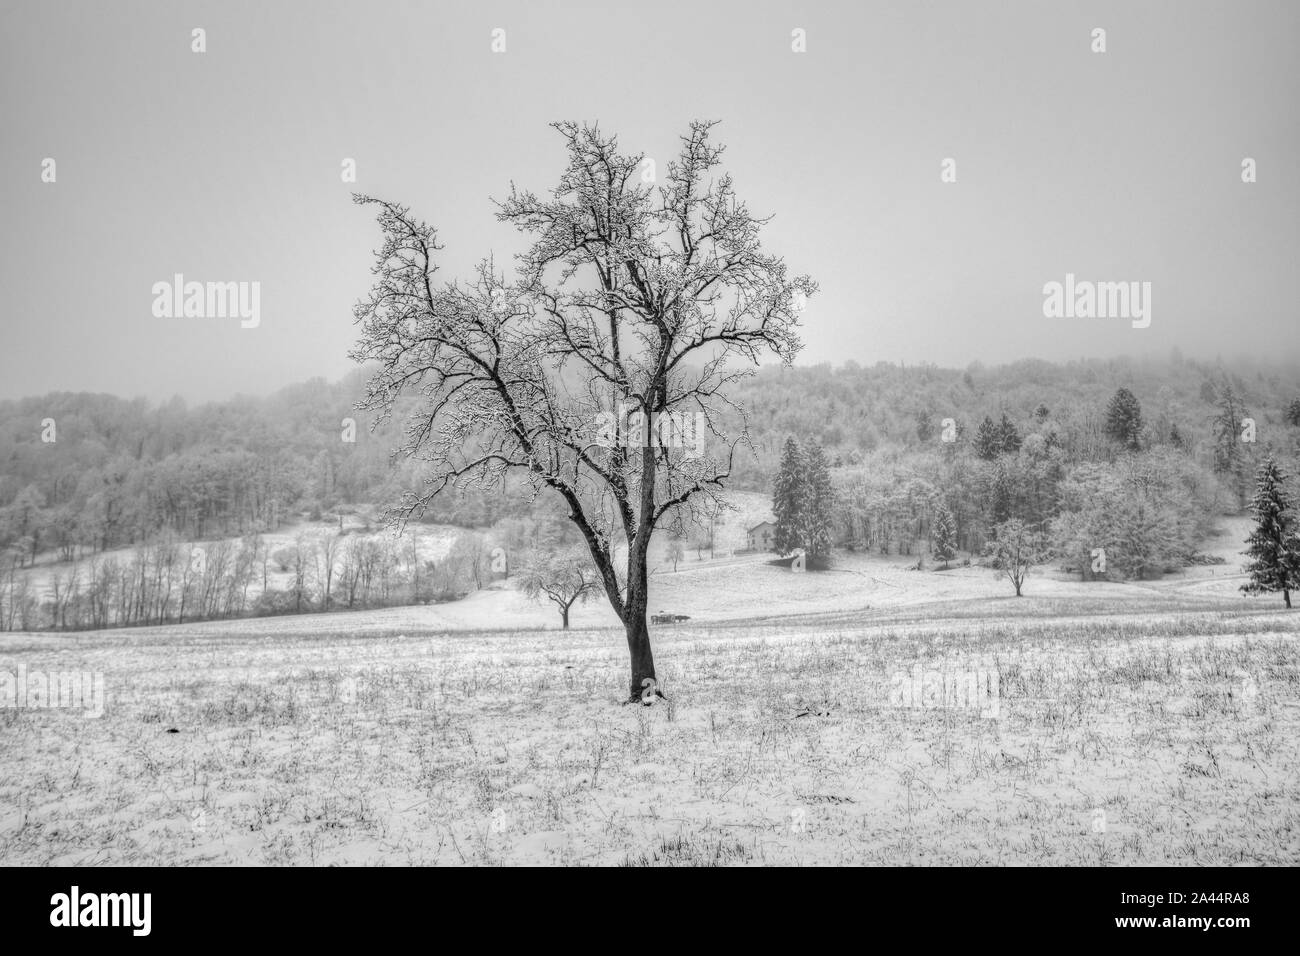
1139,457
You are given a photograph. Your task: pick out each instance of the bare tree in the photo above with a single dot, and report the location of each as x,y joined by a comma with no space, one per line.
1017,550
564,579
675,551
634,306
300,565
328,546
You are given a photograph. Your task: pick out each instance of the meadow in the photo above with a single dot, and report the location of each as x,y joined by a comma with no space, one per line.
1134,726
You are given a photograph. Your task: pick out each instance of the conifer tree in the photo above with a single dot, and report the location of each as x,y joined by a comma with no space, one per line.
819,500
987,440
1008,437
1293,412
1124,419
1274,546
787,500
945,534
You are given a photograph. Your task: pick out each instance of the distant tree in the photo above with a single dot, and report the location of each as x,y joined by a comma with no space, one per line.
788,500
300,564
26,521
698,542
988,441
819,504
1001,496
1008,438
327,556
944,534
564,579
1017,549
676,550
1293,412
1124,419
1042,413
1274,546
710,512
1229,458
924,426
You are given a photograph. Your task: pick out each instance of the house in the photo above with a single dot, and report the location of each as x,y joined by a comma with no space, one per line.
759,537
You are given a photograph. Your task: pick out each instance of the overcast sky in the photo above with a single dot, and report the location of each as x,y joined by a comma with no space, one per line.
225,166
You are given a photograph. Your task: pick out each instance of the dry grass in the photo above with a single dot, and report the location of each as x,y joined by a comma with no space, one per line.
1122,739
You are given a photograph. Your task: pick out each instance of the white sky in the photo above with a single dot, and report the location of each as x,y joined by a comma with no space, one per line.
225,166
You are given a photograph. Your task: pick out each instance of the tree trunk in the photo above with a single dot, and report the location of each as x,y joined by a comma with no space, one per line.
564,616
638,633
643,662
1286,596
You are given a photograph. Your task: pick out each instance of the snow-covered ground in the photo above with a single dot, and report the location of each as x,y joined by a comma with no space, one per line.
1136,723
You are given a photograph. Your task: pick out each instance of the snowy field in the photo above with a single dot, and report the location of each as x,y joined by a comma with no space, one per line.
1132,724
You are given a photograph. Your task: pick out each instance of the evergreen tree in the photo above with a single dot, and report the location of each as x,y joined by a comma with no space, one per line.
1293,412
945,534
819,500
1274,546
787,500
987,440
924,427
1124,419
1008,437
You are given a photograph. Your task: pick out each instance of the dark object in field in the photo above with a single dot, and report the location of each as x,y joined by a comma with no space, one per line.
814,710
172,730
668,618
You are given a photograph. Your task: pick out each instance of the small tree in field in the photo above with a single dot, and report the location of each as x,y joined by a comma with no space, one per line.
1017,549
563,579
945,534
632,305
1274,546
676,550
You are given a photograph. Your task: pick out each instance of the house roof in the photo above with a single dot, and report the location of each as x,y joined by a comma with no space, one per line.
760,525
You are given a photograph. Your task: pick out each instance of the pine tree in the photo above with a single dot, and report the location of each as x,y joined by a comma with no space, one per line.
924,427
1008,437
1274,546
819,500
1293,412
1124,419
787,500
945,534
987,440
